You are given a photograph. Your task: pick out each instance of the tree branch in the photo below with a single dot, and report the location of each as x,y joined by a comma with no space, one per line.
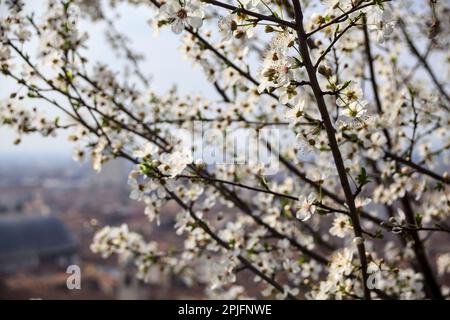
332,142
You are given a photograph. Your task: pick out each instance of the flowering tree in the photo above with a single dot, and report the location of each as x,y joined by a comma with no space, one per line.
360,197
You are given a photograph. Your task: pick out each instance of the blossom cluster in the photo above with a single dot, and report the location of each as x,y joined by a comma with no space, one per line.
363,145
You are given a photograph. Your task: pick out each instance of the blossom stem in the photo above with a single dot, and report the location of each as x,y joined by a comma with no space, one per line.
431,284
424,62
230,195
409,163
226,246
341,18
336,39
240,185
259,16
373,78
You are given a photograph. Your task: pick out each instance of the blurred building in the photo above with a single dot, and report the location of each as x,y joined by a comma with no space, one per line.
34,242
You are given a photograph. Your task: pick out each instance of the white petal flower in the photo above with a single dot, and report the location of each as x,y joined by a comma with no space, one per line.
355,110
307,208
226,27
352,93
361,202
173,164
296,112
341,226
381,21
148,150
186,14
5,53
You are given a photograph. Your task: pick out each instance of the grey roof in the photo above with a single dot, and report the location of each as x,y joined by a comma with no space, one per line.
36,235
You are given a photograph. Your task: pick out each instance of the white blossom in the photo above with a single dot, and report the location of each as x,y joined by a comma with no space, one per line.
181,15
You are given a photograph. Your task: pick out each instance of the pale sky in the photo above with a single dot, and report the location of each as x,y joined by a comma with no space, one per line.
164,62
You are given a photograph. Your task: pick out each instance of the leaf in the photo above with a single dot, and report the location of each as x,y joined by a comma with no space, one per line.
301,260
439,186
418,219
379,234
321,211
336,31
362,178
69,75
298,63
263,182
345,85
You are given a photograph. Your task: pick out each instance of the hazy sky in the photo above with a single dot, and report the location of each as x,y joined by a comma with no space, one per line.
164,62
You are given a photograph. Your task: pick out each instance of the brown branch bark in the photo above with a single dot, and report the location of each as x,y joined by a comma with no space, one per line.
431,285
318,94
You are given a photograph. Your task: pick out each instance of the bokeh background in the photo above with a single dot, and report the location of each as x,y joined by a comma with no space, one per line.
51,206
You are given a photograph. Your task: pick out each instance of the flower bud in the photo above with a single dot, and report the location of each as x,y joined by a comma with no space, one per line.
268,29
199,164
325,71
155,163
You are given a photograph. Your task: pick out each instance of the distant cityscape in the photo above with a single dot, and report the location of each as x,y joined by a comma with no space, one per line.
53,200
50,209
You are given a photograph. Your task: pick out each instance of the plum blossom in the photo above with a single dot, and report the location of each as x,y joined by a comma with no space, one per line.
341,226
97,154
182,14
355,110
138,190
381,21
377,143
5,53
227,26
149,149
352,93
306,208
111,240
295,113
173,164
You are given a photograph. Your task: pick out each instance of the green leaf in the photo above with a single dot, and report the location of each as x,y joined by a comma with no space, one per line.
336,31
419,219
362,178
439,186
345,85
69,75
379,234
263,182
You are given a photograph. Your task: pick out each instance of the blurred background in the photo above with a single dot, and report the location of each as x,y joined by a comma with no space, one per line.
51,206
49,212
